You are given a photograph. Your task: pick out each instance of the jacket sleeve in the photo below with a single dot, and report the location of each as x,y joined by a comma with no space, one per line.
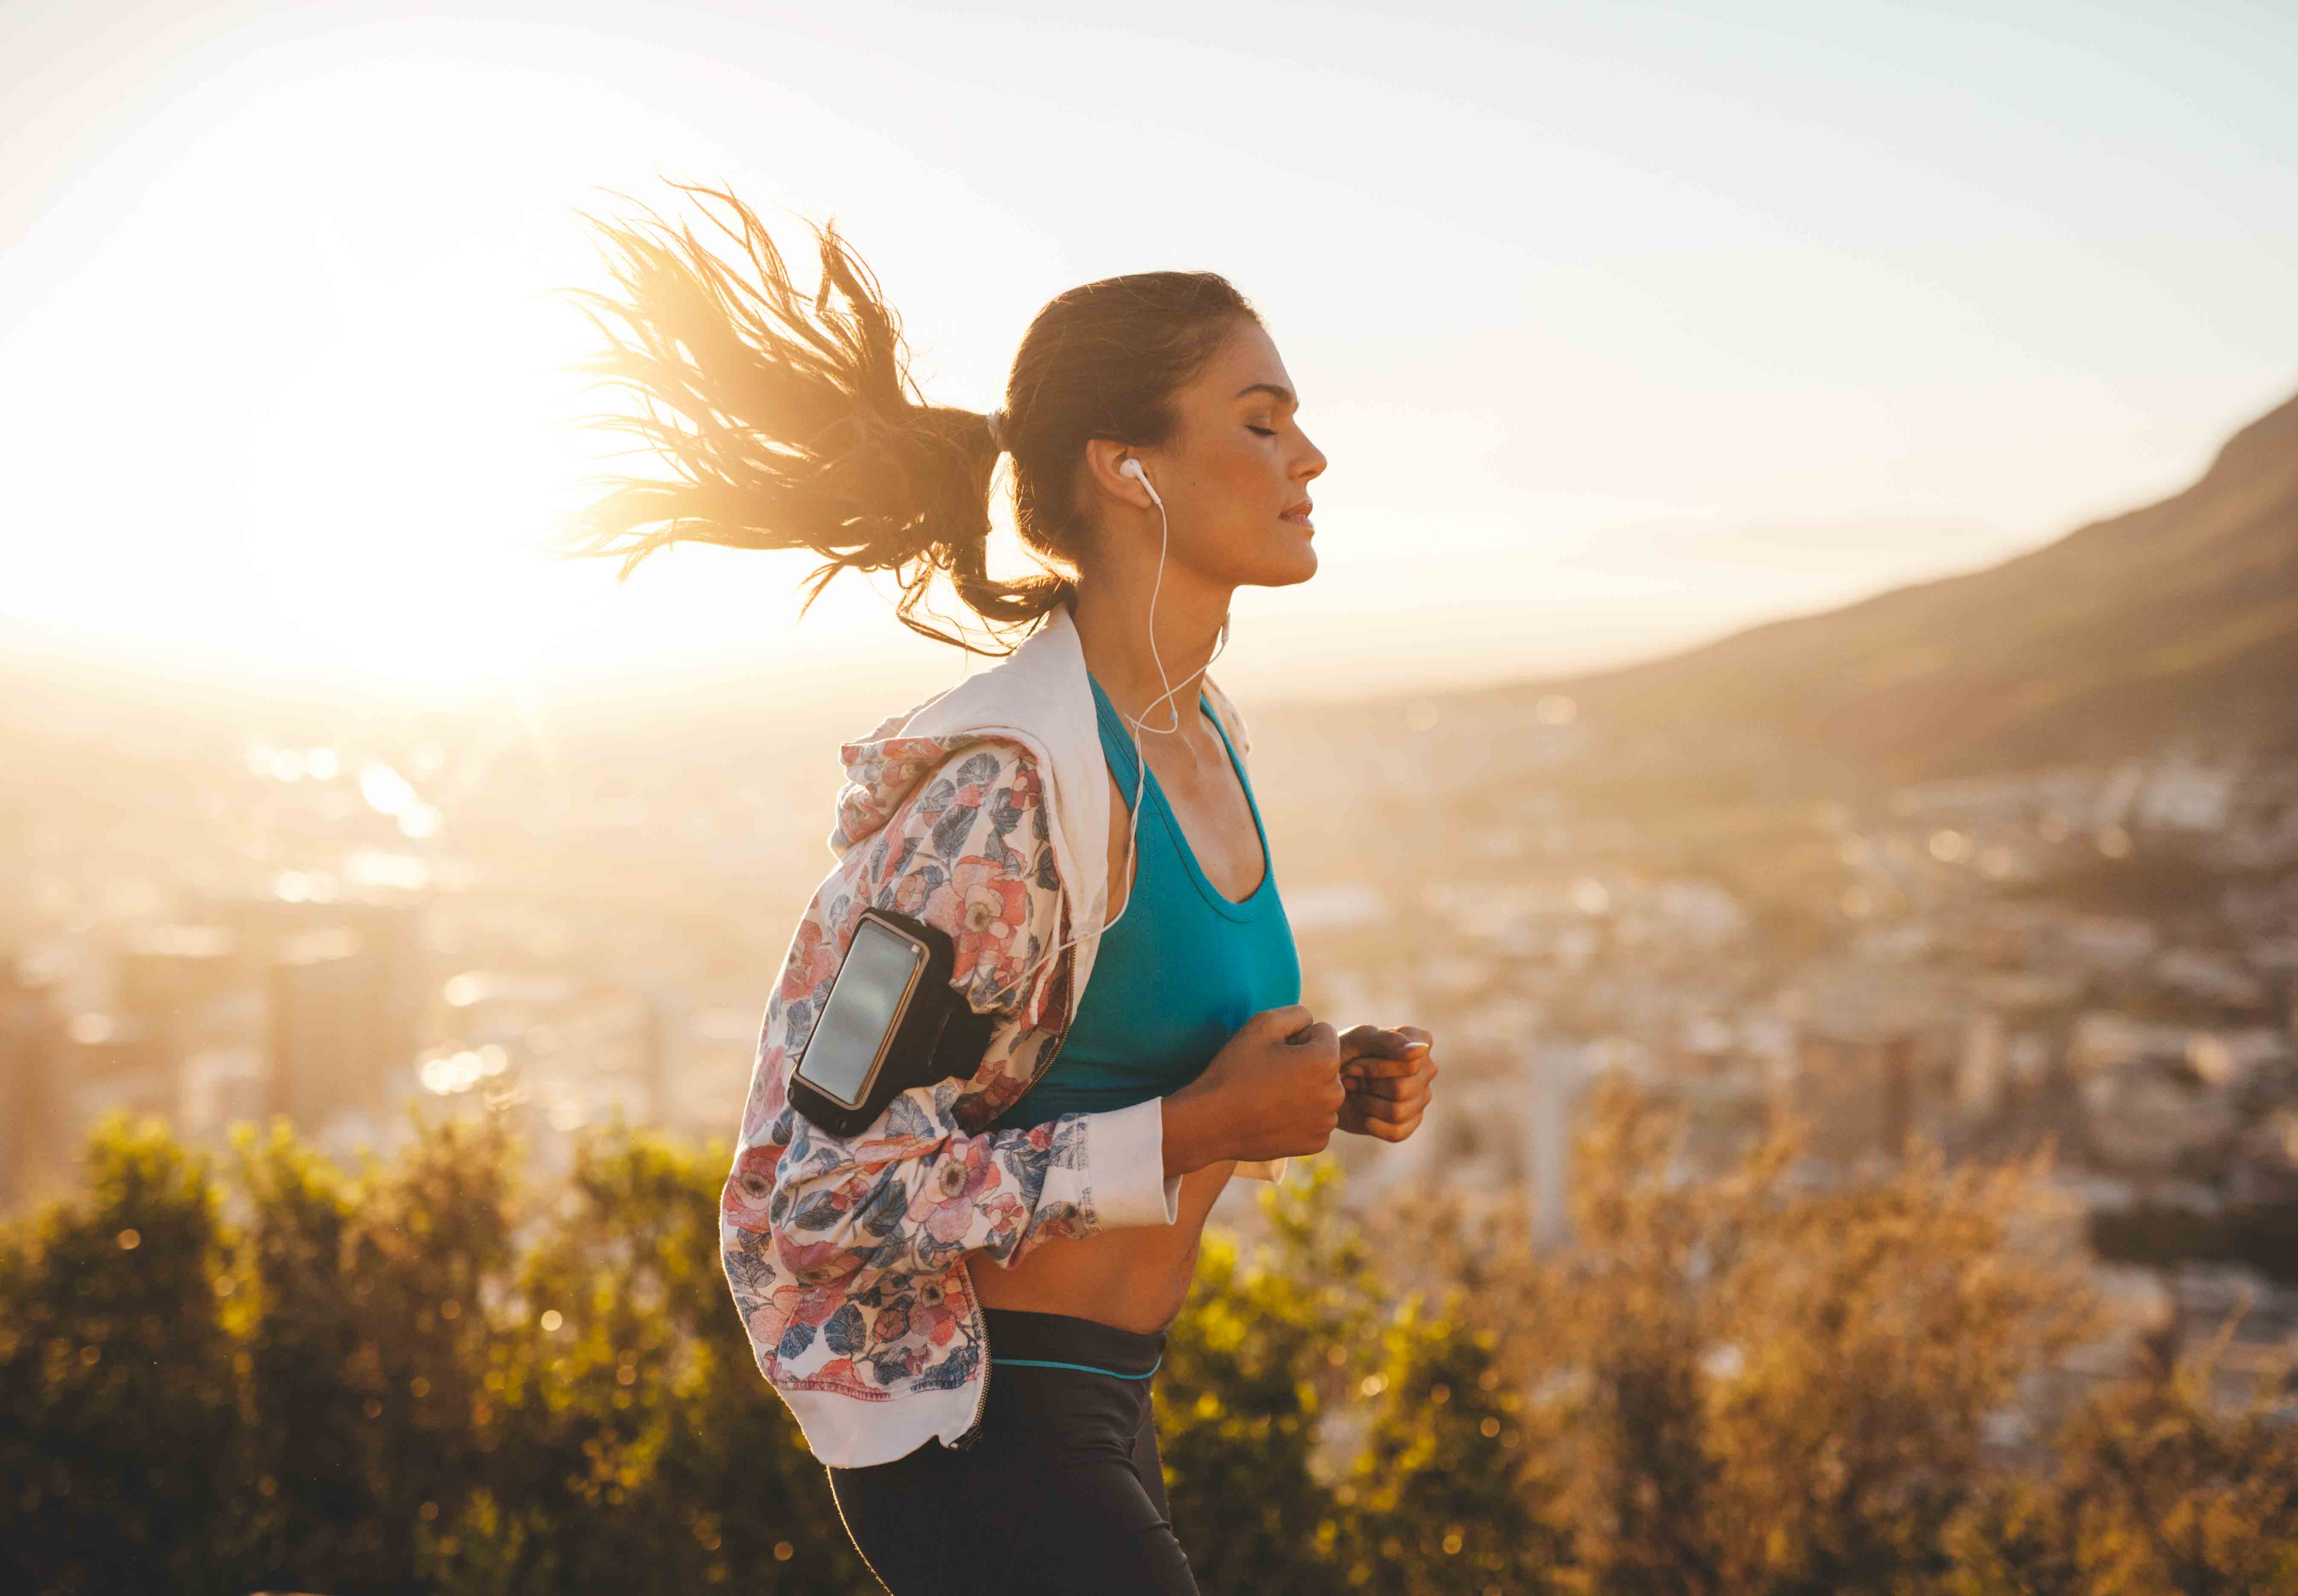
968,852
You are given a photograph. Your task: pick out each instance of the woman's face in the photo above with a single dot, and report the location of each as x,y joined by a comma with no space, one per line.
1234,475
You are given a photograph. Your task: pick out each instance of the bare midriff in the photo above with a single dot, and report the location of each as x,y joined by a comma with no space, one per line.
1135,1277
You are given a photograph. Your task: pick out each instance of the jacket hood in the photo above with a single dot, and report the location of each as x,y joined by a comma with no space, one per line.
883,767
1038,695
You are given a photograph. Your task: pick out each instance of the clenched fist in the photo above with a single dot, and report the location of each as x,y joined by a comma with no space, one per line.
1389,1074
1272,1091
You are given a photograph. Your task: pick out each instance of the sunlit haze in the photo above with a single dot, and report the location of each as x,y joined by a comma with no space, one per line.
1618,335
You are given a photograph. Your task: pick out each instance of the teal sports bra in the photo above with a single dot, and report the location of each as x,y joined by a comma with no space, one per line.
1179,973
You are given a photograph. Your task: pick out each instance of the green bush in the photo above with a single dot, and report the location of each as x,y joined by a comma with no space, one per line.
119,1387
434,1375
353,1390
2157,1494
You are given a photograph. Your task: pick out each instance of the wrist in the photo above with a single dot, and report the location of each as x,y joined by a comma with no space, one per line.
1189,1134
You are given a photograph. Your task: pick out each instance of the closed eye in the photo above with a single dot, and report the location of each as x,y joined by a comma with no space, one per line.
1266,432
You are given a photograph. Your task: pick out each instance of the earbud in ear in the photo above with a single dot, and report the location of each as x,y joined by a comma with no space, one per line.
1133,469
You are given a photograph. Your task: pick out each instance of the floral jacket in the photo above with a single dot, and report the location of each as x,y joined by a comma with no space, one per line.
985,812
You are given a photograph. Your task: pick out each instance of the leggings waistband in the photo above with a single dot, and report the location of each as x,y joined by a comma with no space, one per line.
1062,1340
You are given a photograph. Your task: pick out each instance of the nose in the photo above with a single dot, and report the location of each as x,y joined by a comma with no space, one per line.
1312,464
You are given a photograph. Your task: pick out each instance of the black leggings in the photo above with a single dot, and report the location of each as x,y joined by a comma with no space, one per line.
1061,1491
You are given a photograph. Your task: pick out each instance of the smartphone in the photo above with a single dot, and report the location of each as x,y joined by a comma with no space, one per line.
885,1026
875,984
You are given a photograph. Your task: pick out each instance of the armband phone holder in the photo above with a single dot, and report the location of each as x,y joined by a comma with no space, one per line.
891,1021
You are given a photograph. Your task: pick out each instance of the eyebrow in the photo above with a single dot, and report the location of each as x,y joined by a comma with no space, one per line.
1284,394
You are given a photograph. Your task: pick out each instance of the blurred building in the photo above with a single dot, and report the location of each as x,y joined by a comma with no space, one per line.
199,1022
344,989
565,1052
32,1058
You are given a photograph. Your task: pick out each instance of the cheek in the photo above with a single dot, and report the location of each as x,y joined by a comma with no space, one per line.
1255,476
1235,497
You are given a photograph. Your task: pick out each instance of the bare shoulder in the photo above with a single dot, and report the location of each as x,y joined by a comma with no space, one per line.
1231,718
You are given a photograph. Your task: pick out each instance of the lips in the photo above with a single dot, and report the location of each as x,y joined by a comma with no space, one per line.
1297,512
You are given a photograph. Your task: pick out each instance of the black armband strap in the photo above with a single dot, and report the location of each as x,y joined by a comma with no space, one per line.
933,1033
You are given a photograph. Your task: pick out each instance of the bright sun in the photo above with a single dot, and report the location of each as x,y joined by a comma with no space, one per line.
328,329
397,488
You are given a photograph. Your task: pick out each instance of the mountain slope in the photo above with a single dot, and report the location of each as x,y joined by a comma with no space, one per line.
2179,620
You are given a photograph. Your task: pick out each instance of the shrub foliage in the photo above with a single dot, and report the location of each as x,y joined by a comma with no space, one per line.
435,1374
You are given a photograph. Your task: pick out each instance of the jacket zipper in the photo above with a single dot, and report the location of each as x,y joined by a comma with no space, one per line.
981,1332
972,1432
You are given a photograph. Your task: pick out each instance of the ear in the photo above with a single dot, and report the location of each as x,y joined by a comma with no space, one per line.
1103,457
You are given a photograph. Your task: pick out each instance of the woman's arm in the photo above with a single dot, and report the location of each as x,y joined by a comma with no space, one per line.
967,852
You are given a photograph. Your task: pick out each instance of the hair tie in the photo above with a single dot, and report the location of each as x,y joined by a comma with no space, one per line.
996,419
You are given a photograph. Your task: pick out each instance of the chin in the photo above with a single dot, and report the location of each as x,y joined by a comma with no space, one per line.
1302,559
1289,572
1289,563
1273,562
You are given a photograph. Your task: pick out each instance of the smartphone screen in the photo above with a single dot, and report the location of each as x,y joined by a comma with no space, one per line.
857,1022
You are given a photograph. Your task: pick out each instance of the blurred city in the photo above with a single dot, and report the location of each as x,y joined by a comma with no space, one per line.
221,909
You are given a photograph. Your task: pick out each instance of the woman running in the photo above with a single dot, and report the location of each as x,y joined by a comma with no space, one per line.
1077,821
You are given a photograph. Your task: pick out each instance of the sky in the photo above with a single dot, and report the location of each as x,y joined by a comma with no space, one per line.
1622,326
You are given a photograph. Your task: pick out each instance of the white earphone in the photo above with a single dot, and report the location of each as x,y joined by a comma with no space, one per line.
1132,468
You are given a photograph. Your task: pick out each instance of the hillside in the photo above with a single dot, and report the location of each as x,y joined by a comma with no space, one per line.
2179,620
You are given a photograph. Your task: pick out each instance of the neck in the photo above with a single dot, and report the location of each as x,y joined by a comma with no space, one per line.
1112,609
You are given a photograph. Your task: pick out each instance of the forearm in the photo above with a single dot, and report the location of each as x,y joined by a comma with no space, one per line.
1192,1134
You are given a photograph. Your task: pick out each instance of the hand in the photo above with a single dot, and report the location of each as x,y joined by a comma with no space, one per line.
1389,1075
1272,1091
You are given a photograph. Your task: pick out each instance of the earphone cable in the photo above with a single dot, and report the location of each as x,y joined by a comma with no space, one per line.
1139,725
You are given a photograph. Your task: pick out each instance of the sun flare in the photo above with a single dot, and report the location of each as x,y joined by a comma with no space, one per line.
399,486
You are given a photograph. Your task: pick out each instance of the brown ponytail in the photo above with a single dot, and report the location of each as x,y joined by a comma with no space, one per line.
803,429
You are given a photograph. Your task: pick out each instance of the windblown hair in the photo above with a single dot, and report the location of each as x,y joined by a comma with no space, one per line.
791,421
